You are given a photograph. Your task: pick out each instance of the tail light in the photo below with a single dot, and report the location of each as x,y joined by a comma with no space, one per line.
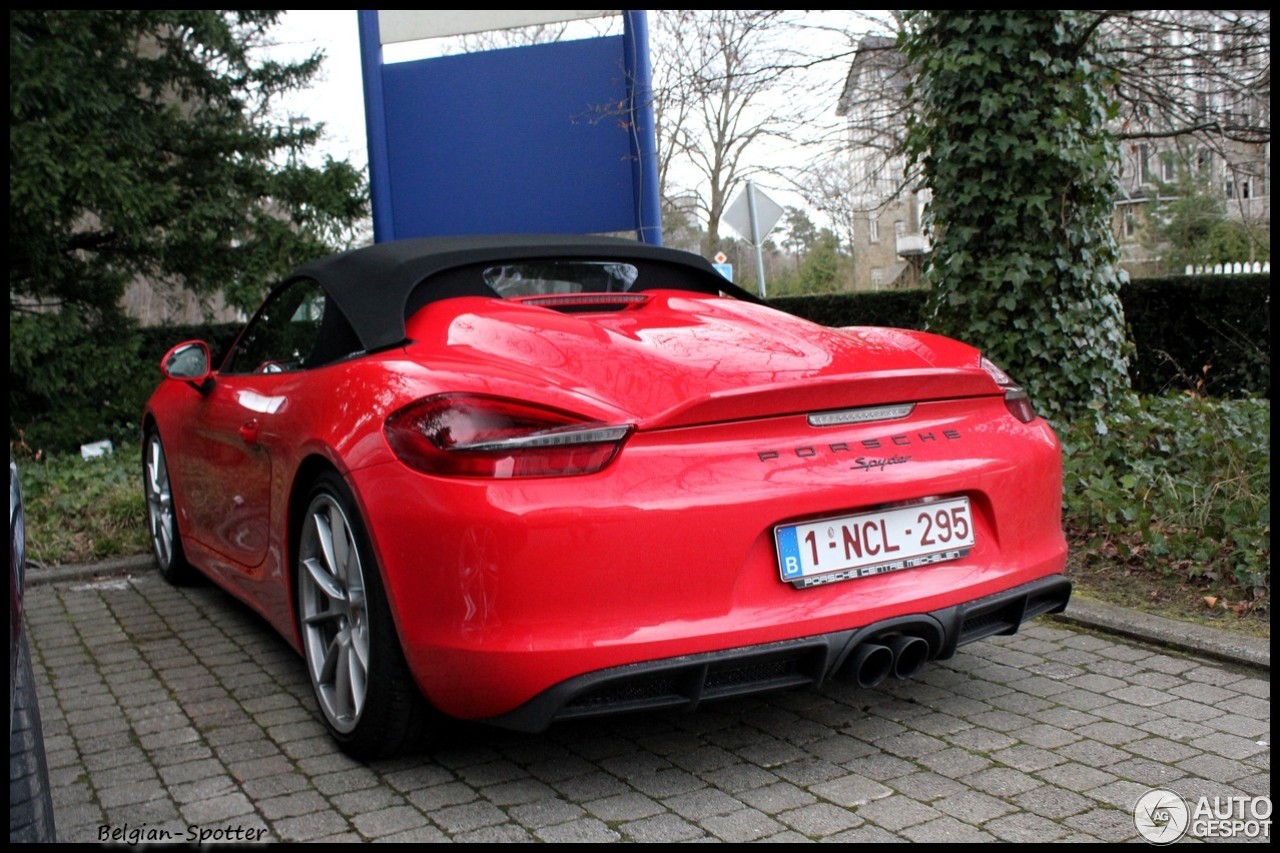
1016,398
474,435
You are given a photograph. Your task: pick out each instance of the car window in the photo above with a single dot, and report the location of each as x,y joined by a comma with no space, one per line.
296,328
524,277
559,277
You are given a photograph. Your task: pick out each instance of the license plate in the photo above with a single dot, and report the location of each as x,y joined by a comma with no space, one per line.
873,543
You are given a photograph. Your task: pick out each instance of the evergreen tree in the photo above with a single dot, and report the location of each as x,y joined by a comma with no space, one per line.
140,144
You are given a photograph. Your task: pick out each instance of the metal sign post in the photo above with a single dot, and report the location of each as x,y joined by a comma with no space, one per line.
756,239
753,215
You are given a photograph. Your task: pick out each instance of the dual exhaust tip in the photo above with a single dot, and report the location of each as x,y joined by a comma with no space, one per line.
899,655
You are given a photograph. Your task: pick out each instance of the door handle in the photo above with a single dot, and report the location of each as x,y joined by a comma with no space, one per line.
249,431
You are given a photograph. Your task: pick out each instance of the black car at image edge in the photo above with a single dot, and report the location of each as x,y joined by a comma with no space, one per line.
30,805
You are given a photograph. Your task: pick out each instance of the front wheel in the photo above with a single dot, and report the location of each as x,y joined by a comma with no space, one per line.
162,519
358,671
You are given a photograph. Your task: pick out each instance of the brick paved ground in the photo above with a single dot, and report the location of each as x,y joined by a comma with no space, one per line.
177,711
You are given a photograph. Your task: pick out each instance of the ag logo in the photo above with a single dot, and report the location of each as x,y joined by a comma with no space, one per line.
1161,817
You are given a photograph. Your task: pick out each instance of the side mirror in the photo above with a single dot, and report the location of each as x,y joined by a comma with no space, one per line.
188,362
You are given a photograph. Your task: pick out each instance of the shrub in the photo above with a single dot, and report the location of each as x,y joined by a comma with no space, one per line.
1178,485
72,382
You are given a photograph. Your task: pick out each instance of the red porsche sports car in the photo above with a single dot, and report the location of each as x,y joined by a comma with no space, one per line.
529,479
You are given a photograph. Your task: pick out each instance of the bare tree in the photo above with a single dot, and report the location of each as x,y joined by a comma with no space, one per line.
719,89
834,187
1194,93
1200,77
1204,73
875,105
862,174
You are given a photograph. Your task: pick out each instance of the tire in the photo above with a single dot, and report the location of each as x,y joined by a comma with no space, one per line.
162,516
30,803
357,668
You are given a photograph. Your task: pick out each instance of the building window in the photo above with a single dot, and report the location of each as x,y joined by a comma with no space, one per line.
877,277
899,228
1168,171
1130,224
1144,163
873,229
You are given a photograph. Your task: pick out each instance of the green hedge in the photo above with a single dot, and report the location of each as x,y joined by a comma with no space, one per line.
72,382
897,308
1208,334
69,384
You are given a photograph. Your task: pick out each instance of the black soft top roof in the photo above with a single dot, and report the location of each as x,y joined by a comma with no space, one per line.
372,286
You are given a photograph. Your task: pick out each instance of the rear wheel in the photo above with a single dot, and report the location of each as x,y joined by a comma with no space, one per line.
358,671
162,520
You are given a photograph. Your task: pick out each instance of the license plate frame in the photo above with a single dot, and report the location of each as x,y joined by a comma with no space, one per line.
874,542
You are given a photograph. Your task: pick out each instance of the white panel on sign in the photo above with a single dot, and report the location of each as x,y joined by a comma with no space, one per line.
397,25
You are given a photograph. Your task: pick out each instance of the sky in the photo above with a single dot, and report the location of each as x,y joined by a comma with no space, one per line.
337,98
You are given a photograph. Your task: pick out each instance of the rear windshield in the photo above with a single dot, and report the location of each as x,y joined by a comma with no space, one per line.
549,278
523,277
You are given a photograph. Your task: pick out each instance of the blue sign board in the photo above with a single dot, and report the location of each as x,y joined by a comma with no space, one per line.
549,138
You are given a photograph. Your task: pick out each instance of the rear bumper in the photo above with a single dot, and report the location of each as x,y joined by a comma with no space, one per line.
689,680
502,590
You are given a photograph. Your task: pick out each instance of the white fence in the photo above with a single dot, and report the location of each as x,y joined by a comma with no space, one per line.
1229,269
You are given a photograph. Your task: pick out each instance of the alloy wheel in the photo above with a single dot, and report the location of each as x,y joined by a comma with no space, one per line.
333,612
160,520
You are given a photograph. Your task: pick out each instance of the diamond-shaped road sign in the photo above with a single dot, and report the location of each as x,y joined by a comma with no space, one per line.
738,216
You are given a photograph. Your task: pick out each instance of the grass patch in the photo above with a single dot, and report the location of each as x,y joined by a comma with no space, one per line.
80,510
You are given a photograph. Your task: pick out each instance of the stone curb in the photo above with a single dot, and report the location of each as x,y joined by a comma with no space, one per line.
40,575
1160,631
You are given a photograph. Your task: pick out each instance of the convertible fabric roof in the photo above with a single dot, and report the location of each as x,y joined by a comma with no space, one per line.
372,285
